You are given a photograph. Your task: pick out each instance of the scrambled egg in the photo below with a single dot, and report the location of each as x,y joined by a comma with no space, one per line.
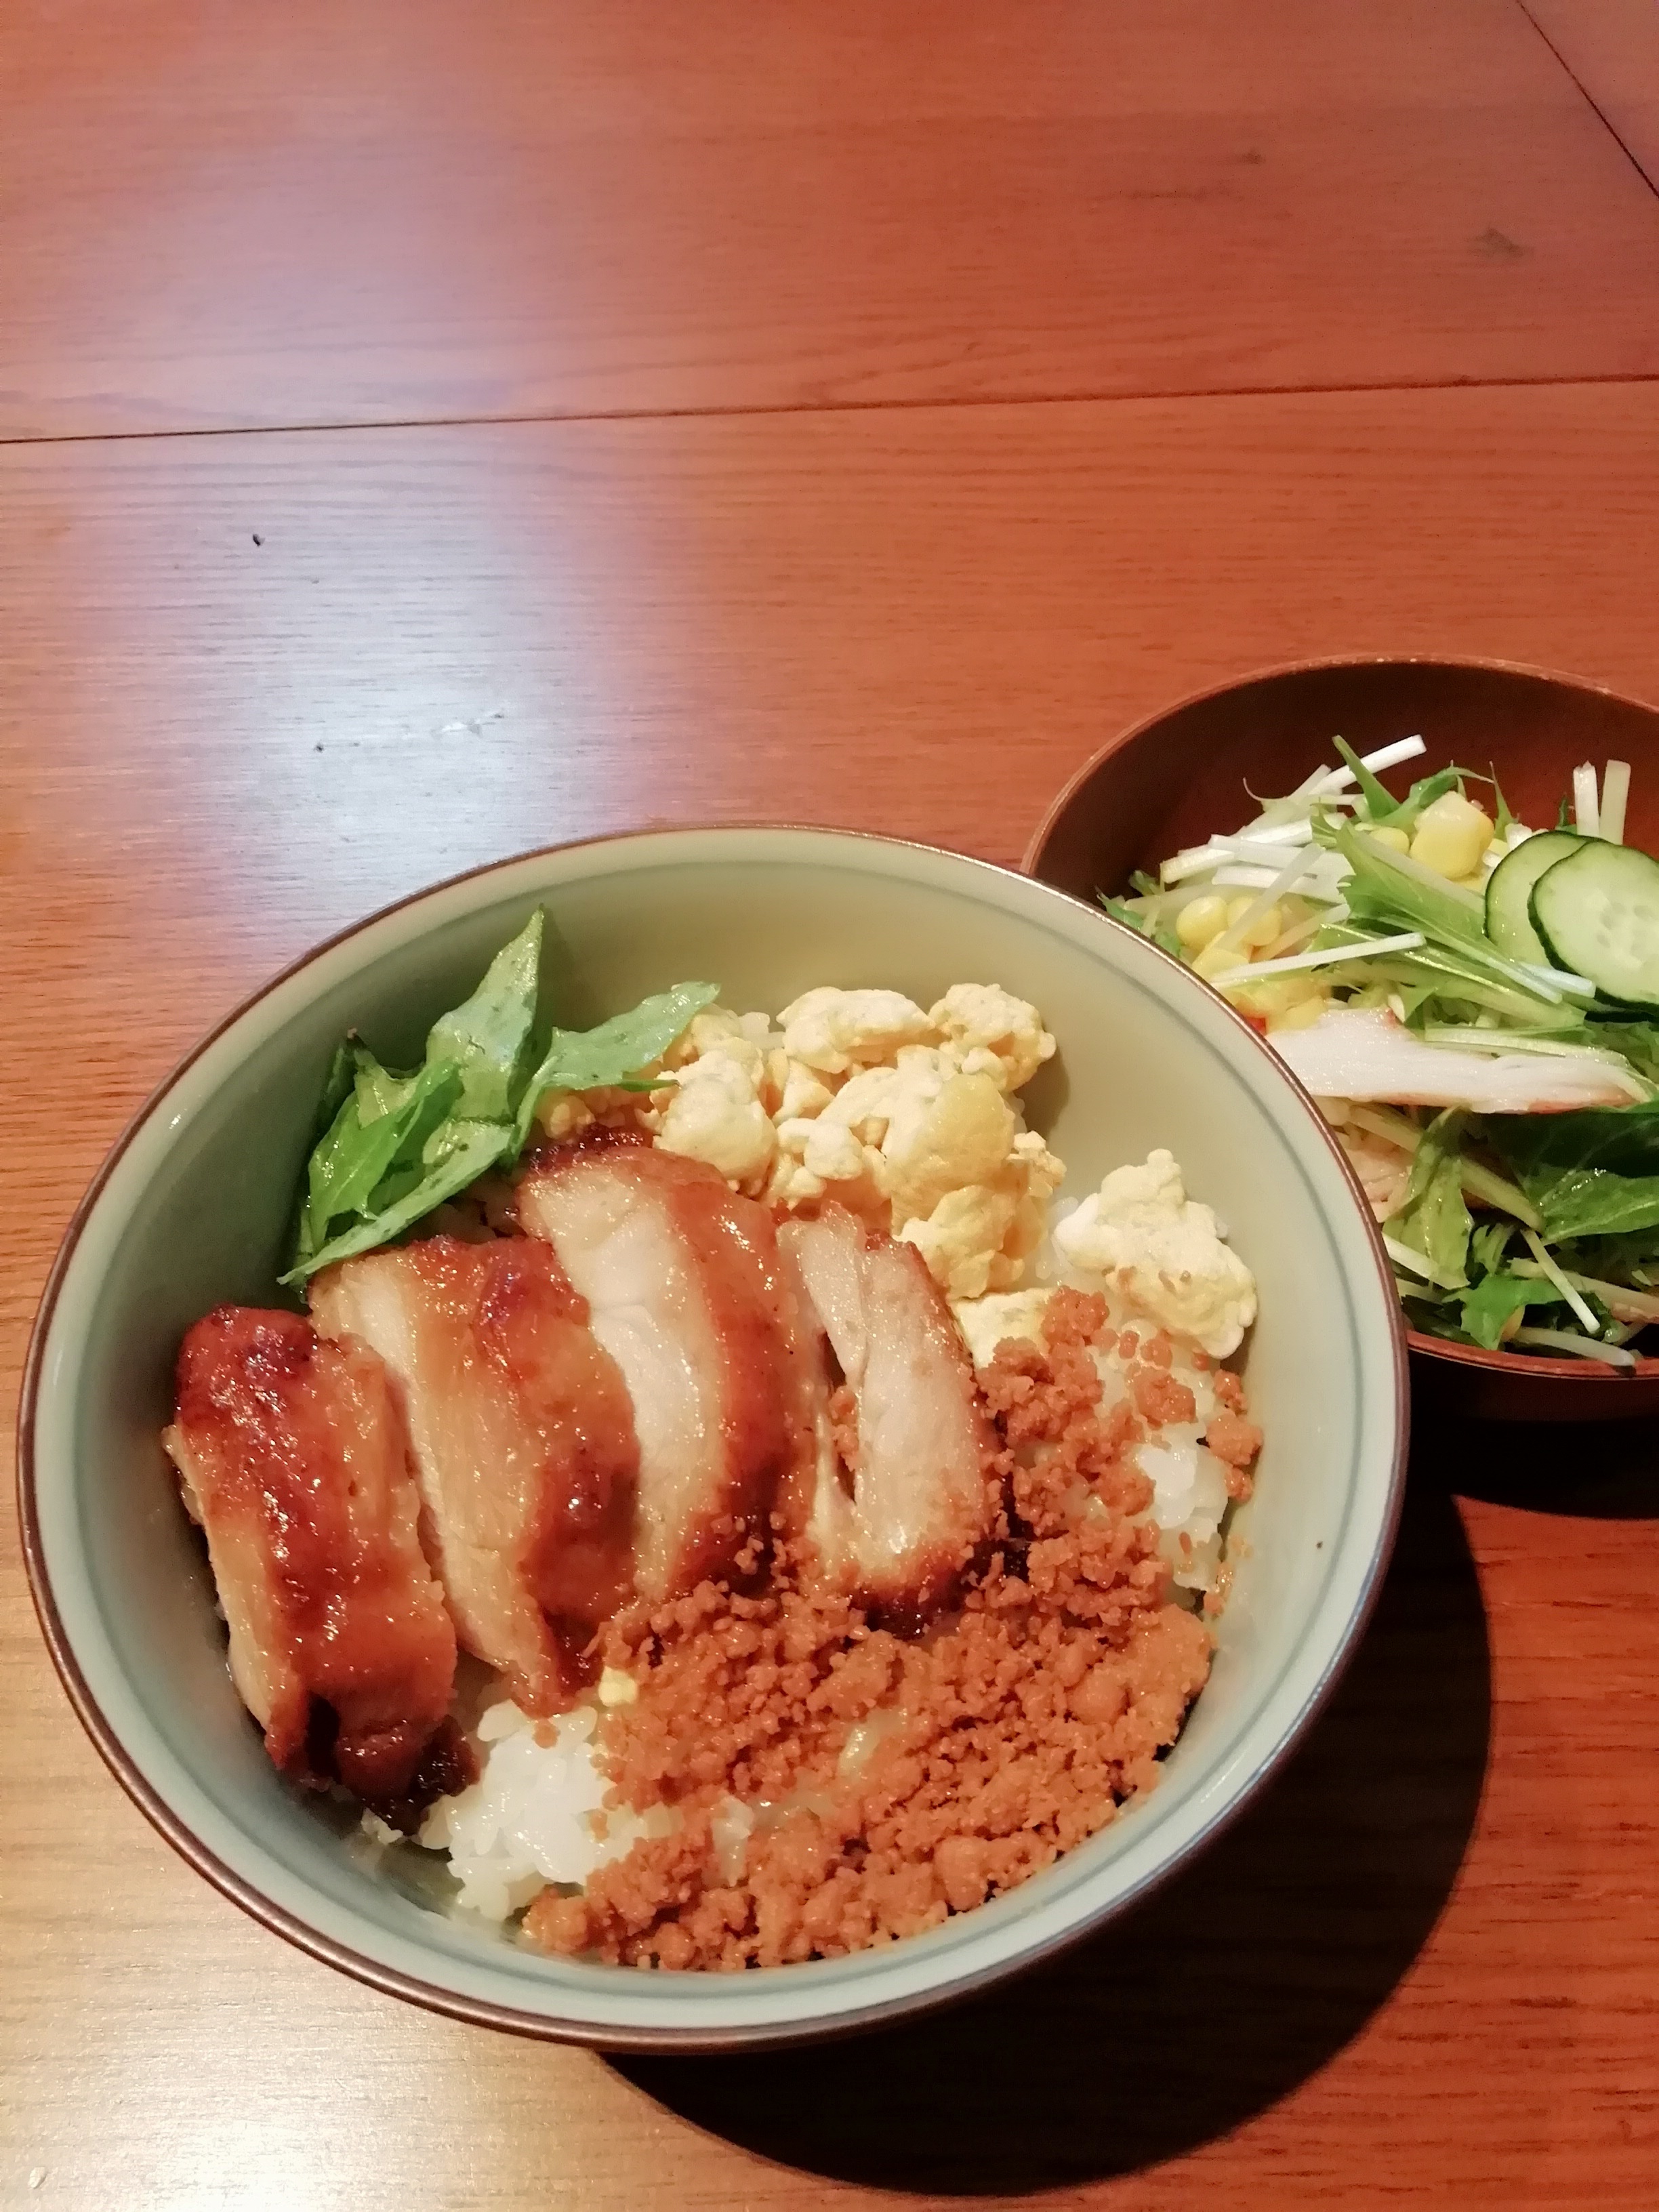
835,1030
912,1119
1163,1254
908,1117
989,1322
989,1032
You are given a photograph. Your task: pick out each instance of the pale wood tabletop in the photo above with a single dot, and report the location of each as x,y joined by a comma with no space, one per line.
972,356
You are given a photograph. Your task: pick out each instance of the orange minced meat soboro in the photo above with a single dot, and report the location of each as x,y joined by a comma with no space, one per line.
889,1779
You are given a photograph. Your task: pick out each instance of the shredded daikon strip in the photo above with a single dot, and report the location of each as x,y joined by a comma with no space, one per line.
1477,1181
1586,813
1235,933
1263,832
1258,852
1553,1273
1403,749
1299,935
1561,1339
1620,1301
1332,782
1383,1122
1335,779
1615,793
1415,870
1415,1264
1409,941
1241,878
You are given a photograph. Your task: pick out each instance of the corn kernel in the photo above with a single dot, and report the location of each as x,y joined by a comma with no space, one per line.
1303,1014
1266,929
1452,835
1200,920
1215,958
1394,841
1283,1002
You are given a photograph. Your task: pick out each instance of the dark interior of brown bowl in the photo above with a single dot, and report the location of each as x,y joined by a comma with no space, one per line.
1173,780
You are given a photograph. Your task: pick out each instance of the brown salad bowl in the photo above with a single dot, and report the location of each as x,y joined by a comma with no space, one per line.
1187,772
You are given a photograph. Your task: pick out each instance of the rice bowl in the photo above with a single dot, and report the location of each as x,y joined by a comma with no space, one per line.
153,1702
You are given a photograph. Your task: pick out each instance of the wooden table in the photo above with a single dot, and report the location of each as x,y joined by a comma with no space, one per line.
437,428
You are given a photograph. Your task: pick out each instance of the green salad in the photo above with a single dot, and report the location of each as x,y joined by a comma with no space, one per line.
1475,1004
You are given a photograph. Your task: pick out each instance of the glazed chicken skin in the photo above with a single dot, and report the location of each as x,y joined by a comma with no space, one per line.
683,1282
293,1457
898,1493
523,1438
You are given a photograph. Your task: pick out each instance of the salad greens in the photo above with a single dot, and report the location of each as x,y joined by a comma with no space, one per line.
391,1147
1537,1230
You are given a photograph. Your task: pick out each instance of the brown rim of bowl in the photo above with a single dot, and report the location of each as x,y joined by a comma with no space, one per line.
482,2012
1516,1364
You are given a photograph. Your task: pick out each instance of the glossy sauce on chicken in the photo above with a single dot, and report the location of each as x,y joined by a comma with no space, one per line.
635,1397
524,1439
683,1280
898,1494
294,1460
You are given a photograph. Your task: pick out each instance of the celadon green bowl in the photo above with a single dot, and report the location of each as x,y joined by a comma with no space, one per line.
193,1208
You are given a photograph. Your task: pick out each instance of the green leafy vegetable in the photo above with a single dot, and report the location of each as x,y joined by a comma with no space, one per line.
1491,1302
1433,1218
1382,809
1632,1259
337,1088
488,1038
612,1056
1487,1246
1422,794
1592,1202
1145,921
393,1145
465,1151
384,1123
1126,915
1379,800
1388,891
1592,1173
1637,1040
1623,1140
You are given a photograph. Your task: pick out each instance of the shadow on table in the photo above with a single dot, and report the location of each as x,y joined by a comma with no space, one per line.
1212,2001
1600,1471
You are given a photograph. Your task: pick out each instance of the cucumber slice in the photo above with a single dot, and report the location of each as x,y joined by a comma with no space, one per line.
1597,912
1509,894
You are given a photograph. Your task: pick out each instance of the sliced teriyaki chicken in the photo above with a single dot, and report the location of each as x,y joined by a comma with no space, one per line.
523,1438
899,1495
682,1280
1365,1054
293,1455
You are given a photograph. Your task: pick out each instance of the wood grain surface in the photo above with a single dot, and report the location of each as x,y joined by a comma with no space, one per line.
342,210
253,685
1611,49
452,642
